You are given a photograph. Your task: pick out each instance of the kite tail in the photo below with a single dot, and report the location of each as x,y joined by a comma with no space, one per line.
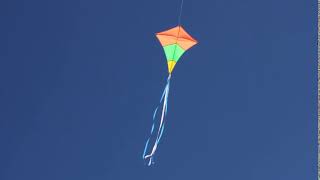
164,98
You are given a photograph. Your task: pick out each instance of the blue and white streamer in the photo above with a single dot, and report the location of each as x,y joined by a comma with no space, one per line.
150,157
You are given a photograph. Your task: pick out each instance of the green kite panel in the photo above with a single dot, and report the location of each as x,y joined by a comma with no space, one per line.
173,52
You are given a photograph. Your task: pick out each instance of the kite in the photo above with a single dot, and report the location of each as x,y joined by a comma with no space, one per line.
175,42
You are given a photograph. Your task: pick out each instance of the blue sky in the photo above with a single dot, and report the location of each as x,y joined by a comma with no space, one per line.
80,79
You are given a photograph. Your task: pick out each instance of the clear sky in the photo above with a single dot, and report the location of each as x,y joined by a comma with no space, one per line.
79,81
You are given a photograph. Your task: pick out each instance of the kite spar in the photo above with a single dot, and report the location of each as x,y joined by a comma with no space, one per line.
175,42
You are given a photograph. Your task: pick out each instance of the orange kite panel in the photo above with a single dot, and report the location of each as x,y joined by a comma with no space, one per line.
176,35
175,31
170,32
166,40
186,44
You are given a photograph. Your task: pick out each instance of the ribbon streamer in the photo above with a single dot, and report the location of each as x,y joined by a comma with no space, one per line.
164,98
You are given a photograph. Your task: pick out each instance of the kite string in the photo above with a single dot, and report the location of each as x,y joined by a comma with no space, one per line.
179,27
179,18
